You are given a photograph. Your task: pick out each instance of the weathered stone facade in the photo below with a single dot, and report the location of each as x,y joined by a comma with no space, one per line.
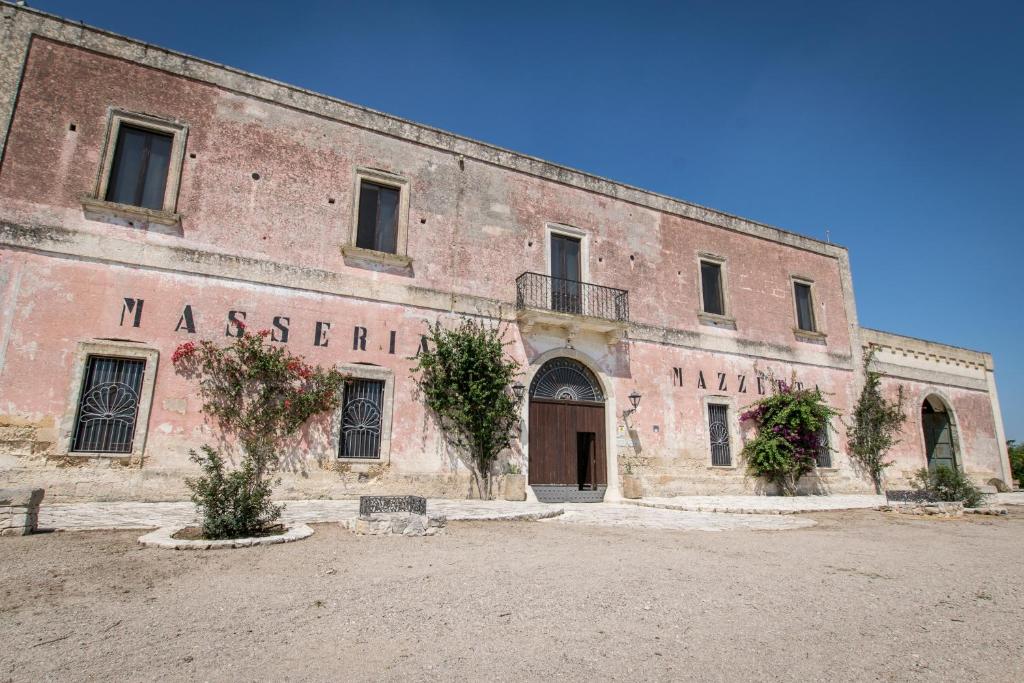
260,227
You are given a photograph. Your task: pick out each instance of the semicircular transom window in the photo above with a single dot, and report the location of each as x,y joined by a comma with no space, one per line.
565,379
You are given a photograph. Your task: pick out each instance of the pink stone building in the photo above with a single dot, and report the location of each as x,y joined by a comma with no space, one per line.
147,198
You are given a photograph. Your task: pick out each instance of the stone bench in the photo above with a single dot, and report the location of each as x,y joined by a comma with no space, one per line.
404,515
19,511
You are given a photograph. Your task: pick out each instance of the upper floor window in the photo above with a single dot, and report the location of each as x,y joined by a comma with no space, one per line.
141,164
378,217
804,306
138,175
712,299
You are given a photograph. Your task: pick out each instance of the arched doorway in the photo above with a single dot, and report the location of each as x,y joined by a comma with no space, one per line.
567,434
939,434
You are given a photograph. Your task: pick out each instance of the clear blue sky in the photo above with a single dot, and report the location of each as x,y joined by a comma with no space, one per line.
899,126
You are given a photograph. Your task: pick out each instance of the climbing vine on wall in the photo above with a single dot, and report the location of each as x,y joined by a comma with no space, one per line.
789,424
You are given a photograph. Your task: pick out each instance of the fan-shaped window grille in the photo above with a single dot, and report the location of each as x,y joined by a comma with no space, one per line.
566,380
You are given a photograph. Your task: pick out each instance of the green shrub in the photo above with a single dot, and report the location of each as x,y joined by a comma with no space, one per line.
1016,451
787,442
948,484
465,377
233,503
260,394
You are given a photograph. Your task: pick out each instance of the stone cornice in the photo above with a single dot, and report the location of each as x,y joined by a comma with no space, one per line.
926,350
168,257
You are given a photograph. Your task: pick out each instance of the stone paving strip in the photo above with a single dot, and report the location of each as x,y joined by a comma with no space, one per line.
1015,498
83,516
640,517
762,505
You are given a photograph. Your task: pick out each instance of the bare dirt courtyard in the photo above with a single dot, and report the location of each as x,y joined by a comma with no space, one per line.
861,596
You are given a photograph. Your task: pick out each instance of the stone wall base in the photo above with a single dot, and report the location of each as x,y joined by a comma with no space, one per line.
398,523
19,511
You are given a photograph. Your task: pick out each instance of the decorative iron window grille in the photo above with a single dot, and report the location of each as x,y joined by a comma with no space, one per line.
824,456
566,379
109,405
548,293
362,408
718,430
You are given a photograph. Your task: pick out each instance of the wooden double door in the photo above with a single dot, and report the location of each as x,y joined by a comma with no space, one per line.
567,444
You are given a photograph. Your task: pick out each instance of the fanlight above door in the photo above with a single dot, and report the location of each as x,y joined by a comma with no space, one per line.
565,379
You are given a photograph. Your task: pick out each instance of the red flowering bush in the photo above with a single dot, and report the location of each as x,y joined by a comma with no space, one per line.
789,424
260,394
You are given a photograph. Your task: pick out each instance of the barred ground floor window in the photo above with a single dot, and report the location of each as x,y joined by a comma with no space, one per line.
361,419
108,408
718,431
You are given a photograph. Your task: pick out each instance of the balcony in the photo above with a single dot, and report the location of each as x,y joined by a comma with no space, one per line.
571,305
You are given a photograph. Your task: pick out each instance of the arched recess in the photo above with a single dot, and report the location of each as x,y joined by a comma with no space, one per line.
939,431
571,387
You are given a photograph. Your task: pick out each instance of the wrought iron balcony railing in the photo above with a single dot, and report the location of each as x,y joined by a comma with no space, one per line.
547,293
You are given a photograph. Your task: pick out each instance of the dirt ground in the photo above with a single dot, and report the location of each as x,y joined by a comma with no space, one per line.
862,596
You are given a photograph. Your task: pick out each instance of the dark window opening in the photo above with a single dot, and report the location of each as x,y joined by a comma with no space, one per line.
824,455
138,174
361,412
378,217
804,307
718,429
109,405
711,286
566,268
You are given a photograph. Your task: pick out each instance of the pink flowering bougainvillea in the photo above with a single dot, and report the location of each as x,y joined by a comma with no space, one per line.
789,424
260,394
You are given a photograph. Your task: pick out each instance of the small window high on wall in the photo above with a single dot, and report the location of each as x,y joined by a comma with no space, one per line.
378,217
804,306
711,288
138,175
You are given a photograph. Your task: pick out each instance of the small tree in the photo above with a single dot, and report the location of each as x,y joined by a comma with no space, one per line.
787,443
465,378
261,395
1016,452
876,423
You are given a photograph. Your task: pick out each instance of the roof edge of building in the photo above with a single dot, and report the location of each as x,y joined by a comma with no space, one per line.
418,133
927,346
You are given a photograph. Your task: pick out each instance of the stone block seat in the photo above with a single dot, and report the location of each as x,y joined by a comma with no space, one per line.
405,515
19,511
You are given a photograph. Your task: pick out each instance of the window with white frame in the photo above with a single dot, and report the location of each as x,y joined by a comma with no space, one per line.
804,299
712,290
380,217
142,162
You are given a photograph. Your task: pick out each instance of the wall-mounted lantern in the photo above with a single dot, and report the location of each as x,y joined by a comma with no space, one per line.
518,390
634,399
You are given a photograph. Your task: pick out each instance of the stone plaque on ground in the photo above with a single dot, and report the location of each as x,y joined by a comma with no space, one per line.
369,505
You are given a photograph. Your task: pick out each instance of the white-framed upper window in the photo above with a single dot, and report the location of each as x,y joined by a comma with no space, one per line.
380,215
567,252
803,302
142,160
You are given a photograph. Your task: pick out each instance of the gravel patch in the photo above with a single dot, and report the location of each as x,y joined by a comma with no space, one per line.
860,596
